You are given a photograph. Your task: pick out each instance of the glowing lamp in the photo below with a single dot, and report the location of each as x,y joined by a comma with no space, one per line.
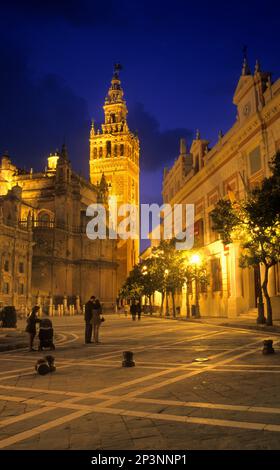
195,259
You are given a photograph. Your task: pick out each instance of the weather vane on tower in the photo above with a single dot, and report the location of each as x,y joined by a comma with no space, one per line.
117,68
245,52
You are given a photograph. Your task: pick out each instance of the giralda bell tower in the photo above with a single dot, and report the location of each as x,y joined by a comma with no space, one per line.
114,152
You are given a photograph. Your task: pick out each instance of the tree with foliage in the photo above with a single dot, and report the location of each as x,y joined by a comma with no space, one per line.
161,264
151,279
170,268
255,223
229,220
163,272
142,280
132,289
194,273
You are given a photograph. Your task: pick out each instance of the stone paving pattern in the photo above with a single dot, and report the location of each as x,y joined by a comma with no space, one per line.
227,399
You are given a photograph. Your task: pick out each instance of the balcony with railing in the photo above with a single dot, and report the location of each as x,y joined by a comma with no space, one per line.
42,224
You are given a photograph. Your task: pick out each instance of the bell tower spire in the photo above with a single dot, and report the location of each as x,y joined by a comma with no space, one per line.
245,65
114,158
249,93
115,110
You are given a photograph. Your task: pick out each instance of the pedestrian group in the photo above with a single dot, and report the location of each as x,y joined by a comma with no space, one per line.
93,319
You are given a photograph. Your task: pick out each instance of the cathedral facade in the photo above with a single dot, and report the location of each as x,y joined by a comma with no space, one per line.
46,256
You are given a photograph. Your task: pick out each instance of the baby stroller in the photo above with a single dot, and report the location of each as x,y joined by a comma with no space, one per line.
46,334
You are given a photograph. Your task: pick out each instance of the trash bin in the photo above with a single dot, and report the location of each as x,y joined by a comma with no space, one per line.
193,310
178,310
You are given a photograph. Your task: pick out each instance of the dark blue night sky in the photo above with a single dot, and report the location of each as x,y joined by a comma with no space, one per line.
181,62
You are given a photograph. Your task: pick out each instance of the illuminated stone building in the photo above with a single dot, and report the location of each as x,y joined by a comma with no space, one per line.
114,152
46,256
15,247
203,175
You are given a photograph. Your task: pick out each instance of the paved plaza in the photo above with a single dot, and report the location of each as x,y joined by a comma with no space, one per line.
194,386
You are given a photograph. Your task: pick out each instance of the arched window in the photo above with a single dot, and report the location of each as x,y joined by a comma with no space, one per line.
122,150
9,219
44,219
95,152
21,267
115,150
6,266
108,148
100,152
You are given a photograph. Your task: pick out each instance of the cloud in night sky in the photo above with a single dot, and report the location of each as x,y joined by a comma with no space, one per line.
158,148
181,66
90,13
36,116
78,13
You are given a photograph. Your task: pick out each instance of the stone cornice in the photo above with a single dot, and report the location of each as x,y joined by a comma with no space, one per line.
89,262
113,164
230,147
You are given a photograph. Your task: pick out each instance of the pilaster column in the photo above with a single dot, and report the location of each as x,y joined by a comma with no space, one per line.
50,306
235,301
78,304
65,308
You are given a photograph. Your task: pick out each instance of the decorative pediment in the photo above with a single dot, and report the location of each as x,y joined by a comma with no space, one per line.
243,86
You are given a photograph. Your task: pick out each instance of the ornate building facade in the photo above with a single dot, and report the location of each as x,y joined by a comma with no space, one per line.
114,152
45,254
45,214
203,175
16,243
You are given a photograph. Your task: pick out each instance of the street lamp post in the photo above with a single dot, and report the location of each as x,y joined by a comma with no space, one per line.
260,305
145,272
261,318
166,272
197,310
188,313
188,304
187,283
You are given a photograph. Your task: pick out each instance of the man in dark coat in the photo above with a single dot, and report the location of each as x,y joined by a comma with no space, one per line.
88,319
133,310
138,307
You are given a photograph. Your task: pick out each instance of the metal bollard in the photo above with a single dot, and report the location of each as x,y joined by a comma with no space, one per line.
42,367
50,360
268,346
128,359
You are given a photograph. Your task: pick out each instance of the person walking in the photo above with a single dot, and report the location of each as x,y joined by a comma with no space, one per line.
96,320
138,309
126,309
88,319
32,319
133,310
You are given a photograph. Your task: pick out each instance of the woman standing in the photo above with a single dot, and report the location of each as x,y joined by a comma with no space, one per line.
31,326
96,320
